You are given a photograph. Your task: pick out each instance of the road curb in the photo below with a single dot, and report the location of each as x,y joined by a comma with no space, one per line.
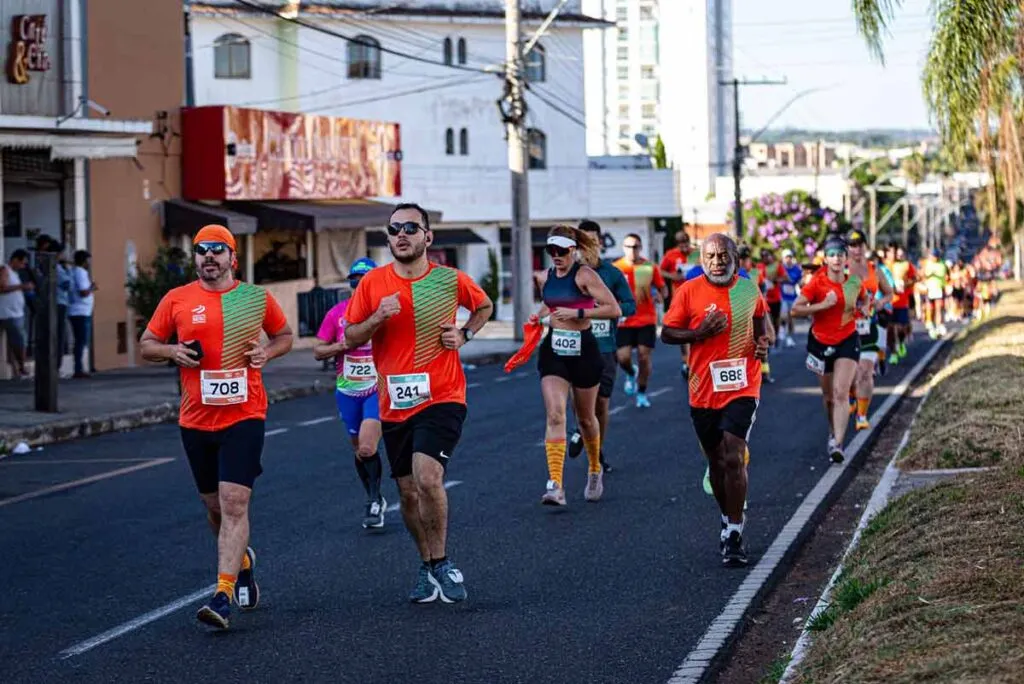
706,656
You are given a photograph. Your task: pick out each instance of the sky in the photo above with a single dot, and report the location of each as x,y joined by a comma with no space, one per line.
815,44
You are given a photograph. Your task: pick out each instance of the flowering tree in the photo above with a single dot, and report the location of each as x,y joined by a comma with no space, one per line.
795,220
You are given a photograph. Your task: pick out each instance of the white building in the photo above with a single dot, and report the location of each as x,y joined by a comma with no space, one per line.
658,73
454,153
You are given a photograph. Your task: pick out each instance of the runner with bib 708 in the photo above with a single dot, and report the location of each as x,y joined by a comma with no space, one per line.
217,321
408,310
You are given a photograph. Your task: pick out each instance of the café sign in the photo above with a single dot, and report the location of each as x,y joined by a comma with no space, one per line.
27,51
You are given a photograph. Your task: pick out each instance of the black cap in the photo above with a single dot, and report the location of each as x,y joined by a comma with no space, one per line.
855,237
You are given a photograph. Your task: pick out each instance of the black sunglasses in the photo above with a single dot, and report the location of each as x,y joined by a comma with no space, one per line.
556,251
216,248
409,227
631,246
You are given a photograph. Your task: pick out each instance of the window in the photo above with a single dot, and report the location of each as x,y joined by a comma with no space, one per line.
649,130
649,111
623,72
447,50
649,91
464,142
462,50
622,52
646,72
646,12
231,57
537,143
623,35
623,91
623,132
535,71
623,111
363,57
449,142
624,148
621,13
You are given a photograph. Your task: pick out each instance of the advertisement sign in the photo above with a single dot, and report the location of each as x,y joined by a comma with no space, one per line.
232,153
27,51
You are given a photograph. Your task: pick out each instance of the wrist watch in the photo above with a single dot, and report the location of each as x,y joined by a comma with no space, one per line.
468,334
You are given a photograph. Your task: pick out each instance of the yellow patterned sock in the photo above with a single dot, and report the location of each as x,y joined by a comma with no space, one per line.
555,450
226,583
593,447
245,561
862,407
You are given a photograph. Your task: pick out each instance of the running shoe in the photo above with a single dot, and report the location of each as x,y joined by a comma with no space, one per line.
630,386
247,592
553,495
595,487
894,359
902,350
217,612
835,451
575,444
605,467
707,484
642,401
684,370
733,553
374,518
790,343
425,590
447,579
863,423
933,334
942,329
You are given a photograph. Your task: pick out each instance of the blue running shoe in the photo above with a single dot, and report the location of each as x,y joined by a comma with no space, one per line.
247,592
448,580
642,401
425,591
217,612
630,386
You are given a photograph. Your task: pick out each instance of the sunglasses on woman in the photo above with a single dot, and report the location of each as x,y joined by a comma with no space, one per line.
409,228
556,251
215,248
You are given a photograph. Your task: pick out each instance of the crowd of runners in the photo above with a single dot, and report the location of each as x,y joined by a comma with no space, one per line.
400,381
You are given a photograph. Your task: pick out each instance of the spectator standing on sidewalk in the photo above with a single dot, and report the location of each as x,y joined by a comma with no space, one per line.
64,282
12,309
80,308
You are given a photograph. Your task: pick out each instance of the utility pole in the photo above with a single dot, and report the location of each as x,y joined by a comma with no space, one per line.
738,152
514,116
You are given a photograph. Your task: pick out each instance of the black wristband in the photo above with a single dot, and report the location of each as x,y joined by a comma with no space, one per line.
579,314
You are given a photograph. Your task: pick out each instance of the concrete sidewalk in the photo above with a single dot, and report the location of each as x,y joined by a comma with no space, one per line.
129,398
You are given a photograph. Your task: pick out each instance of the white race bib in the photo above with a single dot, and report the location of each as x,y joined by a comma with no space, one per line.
769,285
407,391
863,326
815,364
788,289
729,375
567,342
224,387
601,327
359,369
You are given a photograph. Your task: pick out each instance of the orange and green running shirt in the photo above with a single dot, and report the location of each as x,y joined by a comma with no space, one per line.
836,323
223,390
903,274
643,278
723,367
414,370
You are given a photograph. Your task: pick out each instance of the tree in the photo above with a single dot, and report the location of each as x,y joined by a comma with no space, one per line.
795,220
658,155
170,268
491,281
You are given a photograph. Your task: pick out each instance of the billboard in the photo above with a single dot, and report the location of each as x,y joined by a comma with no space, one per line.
233,153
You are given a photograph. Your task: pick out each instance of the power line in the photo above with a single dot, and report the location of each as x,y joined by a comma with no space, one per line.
388,96
321,29
558,109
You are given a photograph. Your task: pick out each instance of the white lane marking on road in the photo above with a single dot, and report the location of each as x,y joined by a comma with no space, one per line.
504,378
278,431
398,506
83,481
317,421
473,384
62,461
132,625
693,669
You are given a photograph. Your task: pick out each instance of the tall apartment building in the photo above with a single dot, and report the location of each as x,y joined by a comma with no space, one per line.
657,73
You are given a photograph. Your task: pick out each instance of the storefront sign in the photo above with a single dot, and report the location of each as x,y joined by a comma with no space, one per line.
232,153
27,51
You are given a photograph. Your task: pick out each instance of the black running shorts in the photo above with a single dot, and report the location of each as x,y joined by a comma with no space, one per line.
644,336
736,418
233,454
434,432
828,353
611,367
583,370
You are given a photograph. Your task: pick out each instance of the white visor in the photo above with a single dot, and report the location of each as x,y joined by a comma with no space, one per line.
561,241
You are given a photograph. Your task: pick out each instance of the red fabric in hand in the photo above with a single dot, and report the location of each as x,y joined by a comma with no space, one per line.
532,333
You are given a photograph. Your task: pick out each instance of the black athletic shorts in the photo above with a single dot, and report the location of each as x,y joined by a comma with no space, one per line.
736,418
828,353
583,370
434,431
884,318
775,309
636,337
233,454
611,367
959,294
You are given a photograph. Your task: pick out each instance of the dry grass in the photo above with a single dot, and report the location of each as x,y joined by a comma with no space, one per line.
947,563
973,416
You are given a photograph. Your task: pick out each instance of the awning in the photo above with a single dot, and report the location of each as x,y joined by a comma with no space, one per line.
318,216
443,237
182,217
73,146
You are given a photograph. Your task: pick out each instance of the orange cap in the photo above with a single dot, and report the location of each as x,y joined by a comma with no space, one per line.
215,233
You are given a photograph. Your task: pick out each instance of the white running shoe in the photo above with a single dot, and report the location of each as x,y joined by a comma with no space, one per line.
595,487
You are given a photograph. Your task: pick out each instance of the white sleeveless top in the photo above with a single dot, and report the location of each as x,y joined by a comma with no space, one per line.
12,304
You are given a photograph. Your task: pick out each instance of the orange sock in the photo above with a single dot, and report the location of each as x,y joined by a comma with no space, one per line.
862,407
226,583
245,561
593,447
555,450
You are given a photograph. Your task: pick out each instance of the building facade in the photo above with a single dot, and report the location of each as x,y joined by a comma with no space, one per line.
353,63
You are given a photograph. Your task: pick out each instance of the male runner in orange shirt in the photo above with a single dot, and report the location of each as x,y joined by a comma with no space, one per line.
408,309
722,317
639,331
217,321
674,267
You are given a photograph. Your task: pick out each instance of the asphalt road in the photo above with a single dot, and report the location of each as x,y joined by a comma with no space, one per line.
617,591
